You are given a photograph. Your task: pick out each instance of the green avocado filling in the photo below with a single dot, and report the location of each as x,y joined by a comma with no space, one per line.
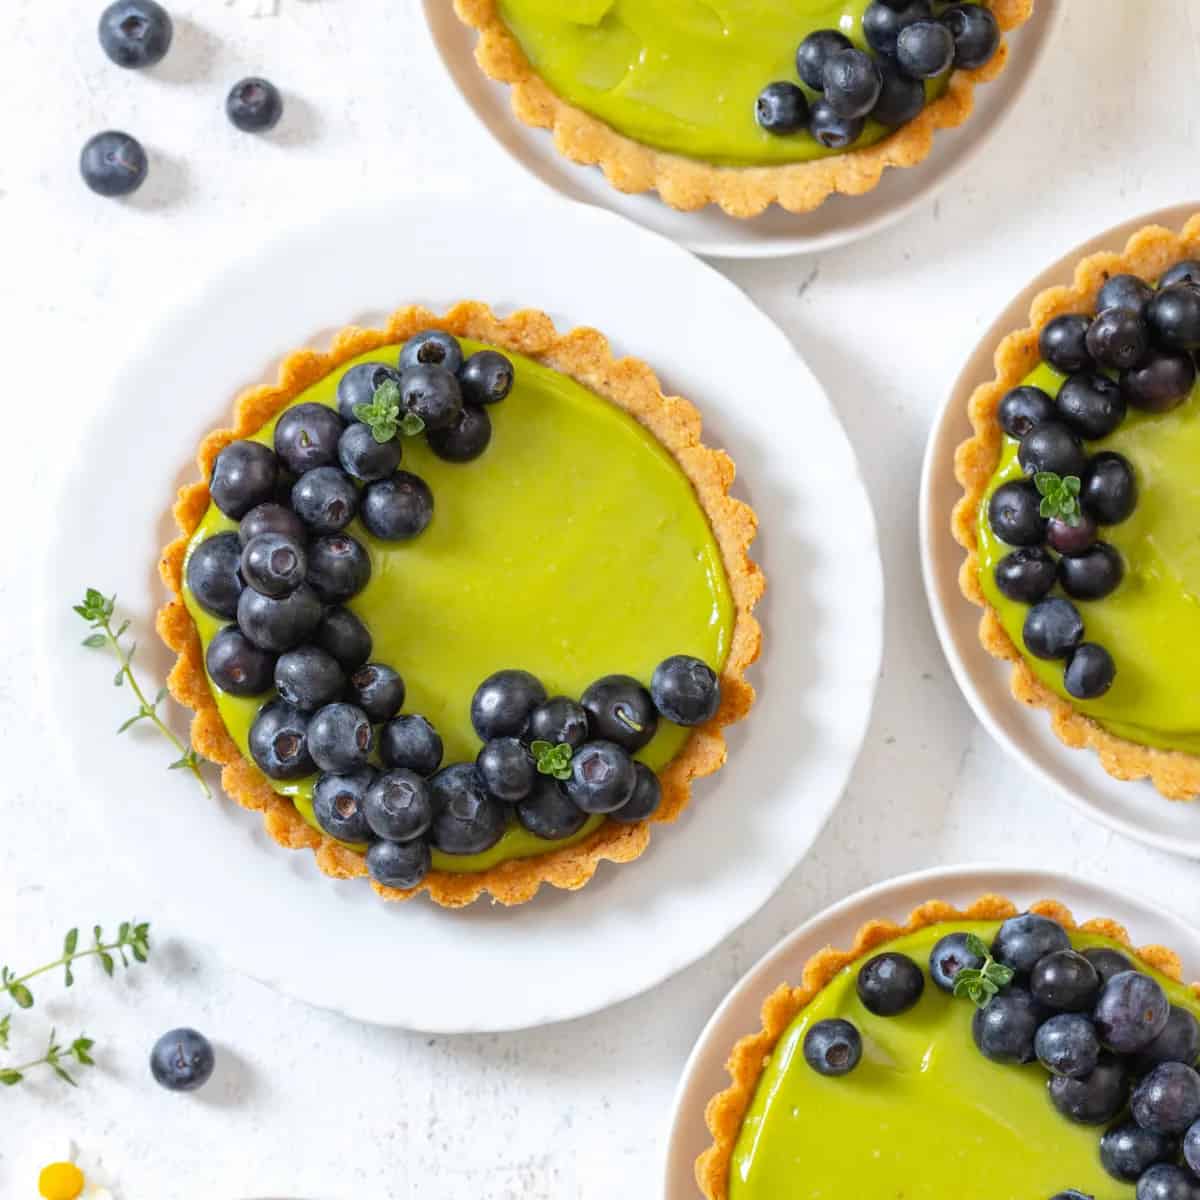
684,75
924,1116
574,547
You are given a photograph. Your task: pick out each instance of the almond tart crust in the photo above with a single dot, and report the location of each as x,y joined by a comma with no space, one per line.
1148,253
725,1112
687,183
583,355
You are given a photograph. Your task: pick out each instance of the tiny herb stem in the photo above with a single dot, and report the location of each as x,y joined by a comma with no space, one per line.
66,959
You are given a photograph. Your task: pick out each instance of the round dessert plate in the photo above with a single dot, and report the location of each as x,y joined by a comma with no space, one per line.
211,872
709,231
738,1014
1134,808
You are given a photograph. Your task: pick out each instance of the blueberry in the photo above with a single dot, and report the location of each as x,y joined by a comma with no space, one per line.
620,710
1167,1101
1173,315
271,518
1092,575
833,1047
466,820
602,777
505,769
1178,1042
237,666
433,394
548,813
1162,382
398,805
1027,574
1071,540
1090,403
1015,514
340,737
364,458
1108,962
254,105
558,720
925,49
976,34
781,108
466,439
1063,343
306,437
431,348
397,508
889,984
113,163
182,1060
399,865
646,797
1127,1151
485,378
1053,629
1109,493
948,957
359,384
1096,1098
901,98
1124,291
338,805
1023,939
279,625
1118,338
274,564
1064,980
344,636
1067,1045
378,691
135,33
1191,1148
1052,446
852,83
1131,1012
882,23
1187,271
244,476
685,690
1023,408
813,53
308,678
502,704
1090,672
213,574
1165,1181
325,499
279,742
832,131
1004,1031
411,741
339,567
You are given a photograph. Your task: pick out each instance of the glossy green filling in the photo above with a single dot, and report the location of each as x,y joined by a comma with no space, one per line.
1151,623
924,1116
573,548
684,75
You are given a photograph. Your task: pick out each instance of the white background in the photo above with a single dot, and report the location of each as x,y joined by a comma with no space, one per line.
306,1104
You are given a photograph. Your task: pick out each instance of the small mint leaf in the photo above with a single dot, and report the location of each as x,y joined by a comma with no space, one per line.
22,996
95,641
977,946
1046,482
9,1078
411,425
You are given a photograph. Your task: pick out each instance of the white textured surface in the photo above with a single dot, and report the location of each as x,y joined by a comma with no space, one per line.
312,1105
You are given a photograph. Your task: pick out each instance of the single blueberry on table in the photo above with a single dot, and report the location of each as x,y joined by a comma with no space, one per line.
279,742
338,802
397,508
503,702
505,769
308,678
620,710
1053,629
237,666
1067,1045
685,690
399,865
889,984
254,105
113,164
244,476
781,108
182,1060
464,440
1131,1012
1090,672
466,820
398,805
547,812
214,574
833,1047
279,625
411,741
1127,1151
344,636
135,33
431,348
646,797
1095,1099
1004,1031
949,956
815,51
602,777
274,564
485,378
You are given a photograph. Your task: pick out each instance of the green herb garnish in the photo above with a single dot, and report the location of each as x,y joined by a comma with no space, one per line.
97,609
1060,496
382,415
980,984
553,760
80,1050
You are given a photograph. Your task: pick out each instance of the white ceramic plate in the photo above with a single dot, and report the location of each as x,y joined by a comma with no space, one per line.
705,1075
1135,809
710,232
269,911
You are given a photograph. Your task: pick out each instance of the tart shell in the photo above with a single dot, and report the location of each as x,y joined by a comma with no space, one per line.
687,183
725,1112
1149,252
583,355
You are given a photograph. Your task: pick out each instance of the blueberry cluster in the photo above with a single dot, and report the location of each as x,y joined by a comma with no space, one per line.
1118,1052
909,43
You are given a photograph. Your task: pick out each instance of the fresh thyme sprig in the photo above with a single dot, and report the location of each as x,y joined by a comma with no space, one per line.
98,610
553,760
133,939
1060,496
79,1051
383,416
980,984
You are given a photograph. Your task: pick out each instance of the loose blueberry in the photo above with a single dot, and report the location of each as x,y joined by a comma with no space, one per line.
976,34
214,574
1069,539
279,625
1064,980
1162,382
244,476
411,741
502,704
1023,408
832,131
1178,1042
620,710
359,384
254,105
431,348
1108,962
925,49
340,737
1096,1099
237,666
274,564
602,777
1109,492
781,108
325,499
398,805
1090,672
397,508
1053,629
1173,315
1023,939
901,98
852,83
882,23
1004,1031
344,636
466,819
485,378
685,690
1015,514
647,796
833,1047
364,458
1027,574
1131,1012
308,678
1165,1181
948,957
1187,271
1118,338
1127,1151
548,813
113,164
1063,343
433,394
307,436
378,691
135,33
279,742
815,51
890,984
1124,291
1052,446
1067,1045
1092,575
558,720
1091,403
505,769
182,1060
271,518
339,567
464,440
1167,1101
338,805
399,865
